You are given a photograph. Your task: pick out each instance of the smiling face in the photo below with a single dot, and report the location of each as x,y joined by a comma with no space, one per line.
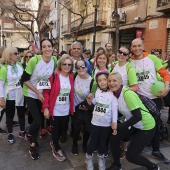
122,55
102,81
81,68
137,48
47,48
66,66
101,61
114,82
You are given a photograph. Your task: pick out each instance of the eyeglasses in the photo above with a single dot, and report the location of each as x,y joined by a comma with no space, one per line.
28,56
79,67
122,53
67,64
16,53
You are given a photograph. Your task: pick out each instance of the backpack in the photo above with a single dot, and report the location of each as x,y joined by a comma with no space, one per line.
163,132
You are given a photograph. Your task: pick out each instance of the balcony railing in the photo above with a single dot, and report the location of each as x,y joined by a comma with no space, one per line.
65,29
163,6
89,21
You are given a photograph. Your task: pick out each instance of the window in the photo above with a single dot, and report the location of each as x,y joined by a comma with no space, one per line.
128,2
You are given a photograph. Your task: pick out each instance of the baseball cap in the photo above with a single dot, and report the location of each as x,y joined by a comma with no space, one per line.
86,51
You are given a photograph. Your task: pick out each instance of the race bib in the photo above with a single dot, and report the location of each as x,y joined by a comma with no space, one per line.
43,84
62,99
18,85
101,109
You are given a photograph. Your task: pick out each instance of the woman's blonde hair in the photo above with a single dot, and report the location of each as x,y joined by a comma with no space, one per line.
62,60
118,75
7,54
25,54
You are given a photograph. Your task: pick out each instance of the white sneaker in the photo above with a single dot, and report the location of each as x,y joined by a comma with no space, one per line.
89,162
101,162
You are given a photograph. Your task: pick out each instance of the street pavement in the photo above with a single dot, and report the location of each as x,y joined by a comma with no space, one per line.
16,156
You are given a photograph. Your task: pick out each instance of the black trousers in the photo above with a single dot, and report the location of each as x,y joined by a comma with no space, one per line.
98,139
34,106
81,119
58,123
139,139
156,139
10,112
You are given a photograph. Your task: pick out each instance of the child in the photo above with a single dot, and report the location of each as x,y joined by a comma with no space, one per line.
104,115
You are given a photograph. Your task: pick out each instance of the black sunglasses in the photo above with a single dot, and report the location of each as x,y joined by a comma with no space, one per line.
28,56
121,52
67,64
79,67
16,53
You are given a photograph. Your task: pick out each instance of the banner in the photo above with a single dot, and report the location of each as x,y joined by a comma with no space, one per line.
37,40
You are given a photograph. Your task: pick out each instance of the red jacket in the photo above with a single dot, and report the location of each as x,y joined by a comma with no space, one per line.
50,95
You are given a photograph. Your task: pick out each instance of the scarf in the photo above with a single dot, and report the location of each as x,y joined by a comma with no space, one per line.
117,94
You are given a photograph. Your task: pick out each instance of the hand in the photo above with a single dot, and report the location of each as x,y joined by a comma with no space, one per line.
82,107
40,97
2,103
114,132
89,98
163,93
46,113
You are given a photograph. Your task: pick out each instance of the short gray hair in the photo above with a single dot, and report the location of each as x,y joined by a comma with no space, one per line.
118,75
78,43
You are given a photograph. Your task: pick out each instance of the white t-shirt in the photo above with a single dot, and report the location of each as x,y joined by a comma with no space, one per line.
106,109
62,104
146,74
81,89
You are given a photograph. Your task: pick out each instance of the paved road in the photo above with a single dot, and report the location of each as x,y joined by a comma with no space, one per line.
16,156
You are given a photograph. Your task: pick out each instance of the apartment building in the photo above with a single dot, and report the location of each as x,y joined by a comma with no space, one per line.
146,19
14,33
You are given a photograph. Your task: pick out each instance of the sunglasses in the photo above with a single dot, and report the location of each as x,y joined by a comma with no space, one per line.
16,53
67,64
122,53
28,56
80,67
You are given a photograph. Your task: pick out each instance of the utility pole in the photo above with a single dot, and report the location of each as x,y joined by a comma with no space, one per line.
116,16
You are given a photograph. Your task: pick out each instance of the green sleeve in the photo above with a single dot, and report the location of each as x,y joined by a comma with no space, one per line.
131,73
94,87
92,60
55,61
31,65
157,62
3,73
131,99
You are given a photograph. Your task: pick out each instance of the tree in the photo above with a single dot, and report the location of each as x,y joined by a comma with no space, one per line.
82,13
25,17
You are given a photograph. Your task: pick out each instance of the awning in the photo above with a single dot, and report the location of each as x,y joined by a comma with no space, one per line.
109,30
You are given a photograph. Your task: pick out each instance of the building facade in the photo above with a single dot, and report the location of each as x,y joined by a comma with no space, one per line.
14,33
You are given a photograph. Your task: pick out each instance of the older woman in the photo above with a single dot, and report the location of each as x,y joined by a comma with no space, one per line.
11,91
138,122
59,102
35,78
27,55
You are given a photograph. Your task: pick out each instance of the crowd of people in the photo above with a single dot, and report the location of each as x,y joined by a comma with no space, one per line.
100,95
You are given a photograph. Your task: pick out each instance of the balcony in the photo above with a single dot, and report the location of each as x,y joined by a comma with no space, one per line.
65,30
163,6
89,22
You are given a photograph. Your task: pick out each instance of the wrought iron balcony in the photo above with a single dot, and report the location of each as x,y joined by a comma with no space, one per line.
89,21
163,6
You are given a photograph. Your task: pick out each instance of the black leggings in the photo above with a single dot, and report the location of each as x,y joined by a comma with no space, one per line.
140,139
10,112
34,106
58,124
98,139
